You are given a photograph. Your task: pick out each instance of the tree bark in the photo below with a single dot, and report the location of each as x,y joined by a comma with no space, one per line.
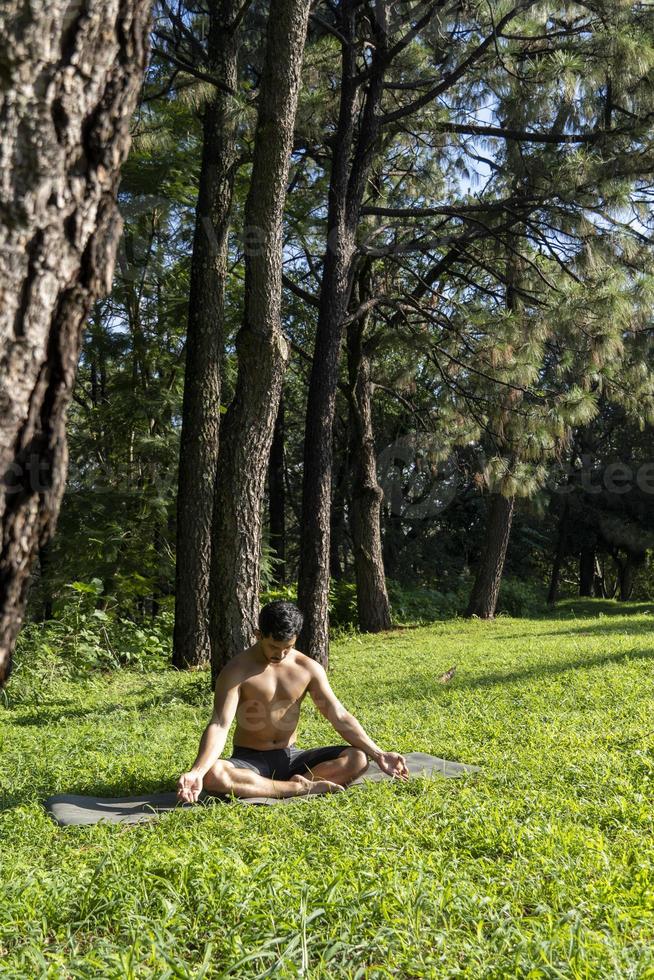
198,452
599,585
626,572
69,81
560,554
262,350
46,611
351,161
337,514
587,572
277,497
373,607
486,590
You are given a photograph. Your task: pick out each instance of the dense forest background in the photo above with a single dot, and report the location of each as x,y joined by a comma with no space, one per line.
491,357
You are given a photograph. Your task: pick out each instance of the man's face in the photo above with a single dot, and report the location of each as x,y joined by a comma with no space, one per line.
274,650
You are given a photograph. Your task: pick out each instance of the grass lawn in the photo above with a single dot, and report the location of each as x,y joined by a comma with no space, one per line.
541,866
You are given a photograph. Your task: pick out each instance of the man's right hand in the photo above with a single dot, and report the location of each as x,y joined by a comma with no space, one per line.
189,787
393,764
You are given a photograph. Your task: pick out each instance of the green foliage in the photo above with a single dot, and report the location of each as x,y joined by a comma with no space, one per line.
84,639
519,598
413,606
288,592
539,867
541,317
342,605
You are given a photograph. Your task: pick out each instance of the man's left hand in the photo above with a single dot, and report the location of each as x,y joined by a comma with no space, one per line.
393,764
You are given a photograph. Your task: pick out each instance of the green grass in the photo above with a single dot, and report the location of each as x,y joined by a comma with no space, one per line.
539,867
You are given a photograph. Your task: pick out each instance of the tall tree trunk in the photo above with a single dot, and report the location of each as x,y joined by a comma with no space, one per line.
351,162
587,571
627,569
599,585
373,607
69,81
46,612
392,535
486,590
198,452
277,497
559,555
262,350
337,515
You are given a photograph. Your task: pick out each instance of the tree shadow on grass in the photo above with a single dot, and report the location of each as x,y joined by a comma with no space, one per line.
139,701
549,670
584,608
418,687
571,627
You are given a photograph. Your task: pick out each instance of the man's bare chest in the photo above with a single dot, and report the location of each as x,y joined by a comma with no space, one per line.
274,691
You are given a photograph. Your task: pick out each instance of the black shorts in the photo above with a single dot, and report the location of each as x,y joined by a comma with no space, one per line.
283,763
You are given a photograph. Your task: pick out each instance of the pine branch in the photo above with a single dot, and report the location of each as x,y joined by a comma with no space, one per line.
304,294
452,77
203,76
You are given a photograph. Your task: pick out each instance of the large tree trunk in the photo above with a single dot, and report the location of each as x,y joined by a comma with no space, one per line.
392,540
486,590
599,585
69,81
277,497
198,453
262,350
351,162
587,572
337,514
373,607
46,611
557,564
626,578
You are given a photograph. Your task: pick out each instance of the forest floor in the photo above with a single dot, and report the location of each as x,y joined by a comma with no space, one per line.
540,866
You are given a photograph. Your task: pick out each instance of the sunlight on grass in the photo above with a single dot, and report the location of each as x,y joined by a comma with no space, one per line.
539,867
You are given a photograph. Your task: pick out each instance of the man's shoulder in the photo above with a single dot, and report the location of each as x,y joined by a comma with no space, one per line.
301,659
237,668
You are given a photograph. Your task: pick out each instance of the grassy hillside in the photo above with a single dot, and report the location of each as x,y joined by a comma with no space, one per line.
539,867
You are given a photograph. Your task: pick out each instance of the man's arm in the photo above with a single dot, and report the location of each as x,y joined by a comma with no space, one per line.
349,728
214,736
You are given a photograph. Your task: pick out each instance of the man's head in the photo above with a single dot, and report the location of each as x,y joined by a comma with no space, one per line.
279,625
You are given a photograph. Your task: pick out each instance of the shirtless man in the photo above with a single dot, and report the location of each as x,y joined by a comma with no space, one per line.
264,687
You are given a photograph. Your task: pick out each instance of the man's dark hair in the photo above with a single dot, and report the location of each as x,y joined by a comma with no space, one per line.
280,620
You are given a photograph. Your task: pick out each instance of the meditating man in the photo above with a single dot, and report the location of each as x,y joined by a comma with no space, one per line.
263,687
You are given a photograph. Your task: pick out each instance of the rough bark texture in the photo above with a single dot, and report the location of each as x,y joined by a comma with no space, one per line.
587,572
198,455
337,541
626,575
373,607
351,161
626,581
486,590
69,80
557,564
262,351
277,497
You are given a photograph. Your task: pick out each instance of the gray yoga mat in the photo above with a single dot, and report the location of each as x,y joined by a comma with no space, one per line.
69,810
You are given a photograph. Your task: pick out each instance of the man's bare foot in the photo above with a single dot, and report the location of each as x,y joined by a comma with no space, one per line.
317,786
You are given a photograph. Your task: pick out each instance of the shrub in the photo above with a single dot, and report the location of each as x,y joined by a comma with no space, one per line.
83,639
412,605
518,598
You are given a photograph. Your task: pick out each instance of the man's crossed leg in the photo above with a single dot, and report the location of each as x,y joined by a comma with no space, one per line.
250,773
